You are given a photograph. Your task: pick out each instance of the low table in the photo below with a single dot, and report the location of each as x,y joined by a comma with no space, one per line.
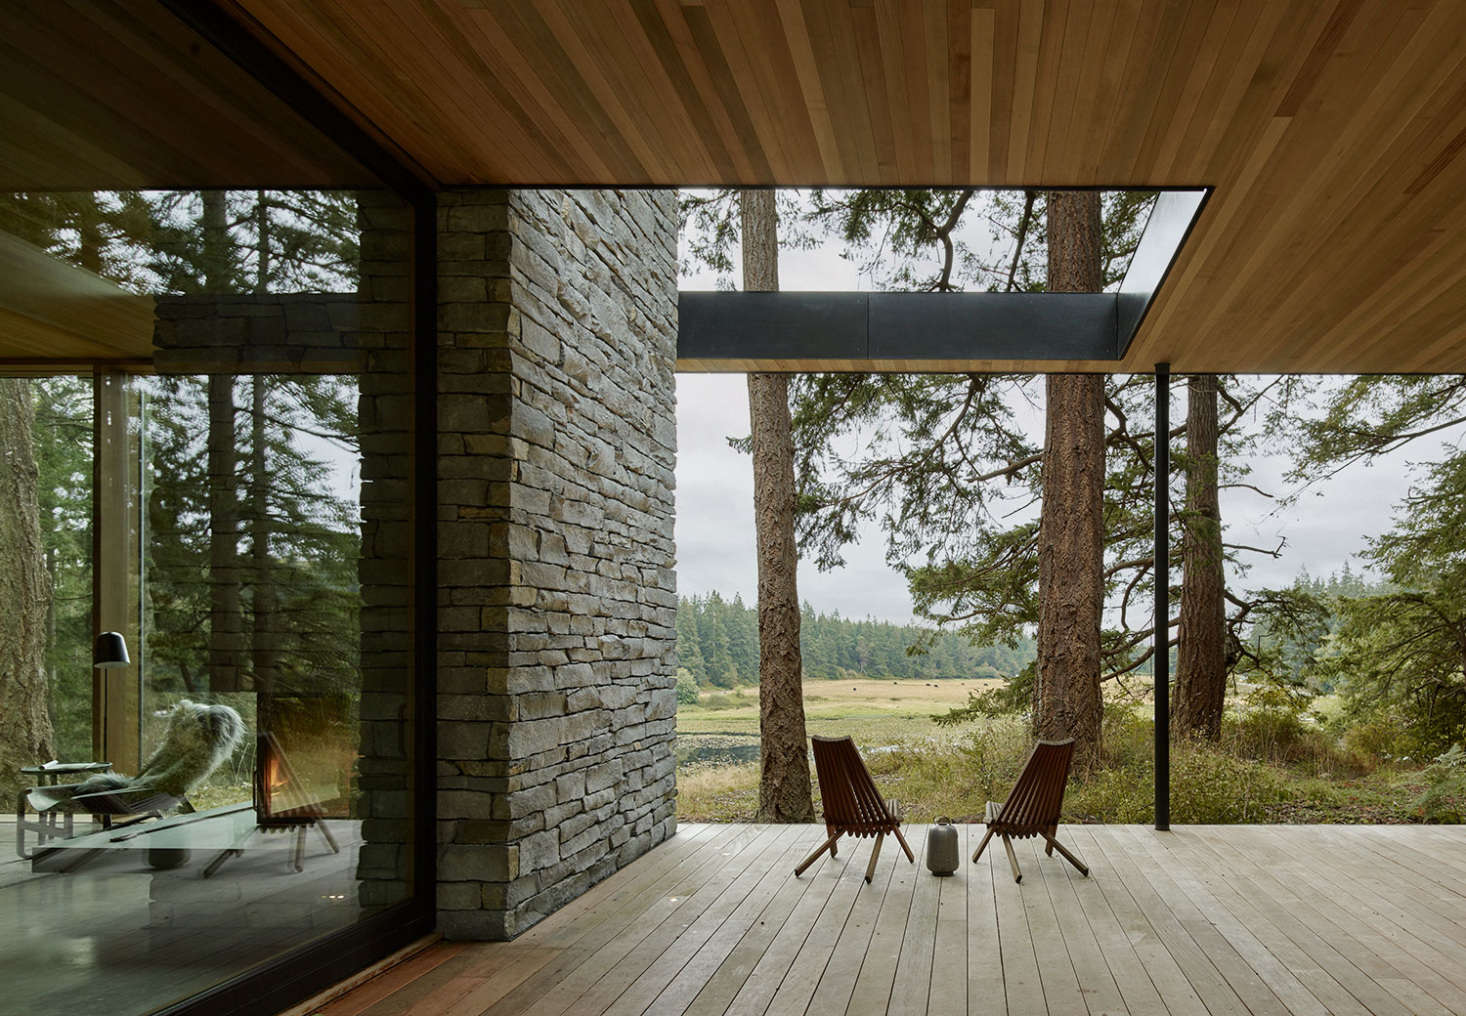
49,825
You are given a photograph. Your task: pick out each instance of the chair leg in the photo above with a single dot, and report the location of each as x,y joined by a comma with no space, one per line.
875,852
1012,858
1049,836
1056,845
982,846
829,845
905,846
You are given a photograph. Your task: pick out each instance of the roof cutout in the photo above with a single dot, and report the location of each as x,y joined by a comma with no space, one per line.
936,331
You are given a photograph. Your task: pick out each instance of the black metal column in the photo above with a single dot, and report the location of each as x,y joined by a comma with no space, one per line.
1161,642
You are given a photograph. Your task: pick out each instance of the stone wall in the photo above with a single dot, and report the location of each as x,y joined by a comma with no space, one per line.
557,596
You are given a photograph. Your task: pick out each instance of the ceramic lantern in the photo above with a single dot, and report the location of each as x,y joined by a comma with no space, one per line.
941,847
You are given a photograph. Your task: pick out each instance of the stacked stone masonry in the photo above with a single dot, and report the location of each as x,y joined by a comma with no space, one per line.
557,592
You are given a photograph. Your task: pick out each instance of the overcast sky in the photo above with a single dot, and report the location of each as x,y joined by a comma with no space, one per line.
715,536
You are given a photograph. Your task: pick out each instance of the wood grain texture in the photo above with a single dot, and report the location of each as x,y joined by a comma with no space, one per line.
1206,919
1333,131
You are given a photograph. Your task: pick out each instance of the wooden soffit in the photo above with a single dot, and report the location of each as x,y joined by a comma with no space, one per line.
1332,132
53,312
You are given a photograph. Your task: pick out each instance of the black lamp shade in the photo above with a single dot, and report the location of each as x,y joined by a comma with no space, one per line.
109,651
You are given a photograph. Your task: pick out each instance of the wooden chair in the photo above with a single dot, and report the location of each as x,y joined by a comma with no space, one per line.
852,803
1033,806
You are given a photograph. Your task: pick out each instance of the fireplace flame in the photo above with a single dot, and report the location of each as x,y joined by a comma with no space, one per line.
275,777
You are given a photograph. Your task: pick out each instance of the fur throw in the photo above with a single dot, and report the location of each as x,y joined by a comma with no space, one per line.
197,739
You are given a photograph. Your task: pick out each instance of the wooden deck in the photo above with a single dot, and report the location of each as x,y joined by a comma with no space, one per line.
1203,920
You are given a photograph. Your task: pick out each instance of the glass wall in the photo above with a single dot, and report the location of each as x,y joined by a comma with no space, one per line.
206,542
232,779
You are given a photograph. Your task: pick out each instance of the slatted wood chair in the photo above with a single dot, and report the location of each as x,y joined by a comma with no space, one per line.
1033,806
852,803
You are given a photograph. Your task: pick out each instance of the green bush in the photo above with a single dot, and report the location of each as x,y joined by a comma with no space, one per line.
1380,738
1444,796
686,687
1213,787
723,700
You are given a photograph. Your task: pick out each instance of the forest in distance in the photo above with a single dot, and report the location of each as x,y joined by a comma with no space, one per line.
717,645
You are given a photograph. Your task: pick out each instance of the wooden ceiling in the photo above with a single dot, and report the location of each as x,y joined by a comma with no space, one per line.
51,311
1333,132
119,94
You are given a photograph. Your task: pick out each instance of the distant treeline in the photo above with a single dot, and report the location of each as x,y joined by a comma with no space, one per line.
717,643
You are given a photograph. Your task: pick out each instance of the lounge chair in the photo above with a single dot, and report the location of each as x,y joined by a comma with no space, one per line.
852,803
1033,806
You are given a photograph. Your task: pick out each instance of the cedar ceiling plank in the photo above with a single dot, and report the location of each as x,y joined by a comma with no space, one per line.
980,101
1323,51
1284,246
1050,64
1090,105
800,47
515,69
1324,244
1098,160
832,67
918,85
766,42
473,94
853,84
878,91
1147,98
1397,234
571,97
1067,106
1006,16
342,53
700,28
959,89
1025,87
1239,52
582,38
745,165
712,134
939,90
1164,139
454,90
660,91
1168,83
1157,340
1284,49
745,81
898,106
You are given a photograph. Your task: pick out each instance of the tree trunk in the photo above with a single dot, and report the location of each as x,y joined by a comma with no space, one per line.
226,621
1201,664
784,789
26,735
1071,529
262,579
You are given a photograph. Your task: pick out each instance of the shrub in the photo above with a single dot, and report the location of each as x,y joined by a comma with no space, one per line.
1211,786
686,687
1444,797
723,700
1380,738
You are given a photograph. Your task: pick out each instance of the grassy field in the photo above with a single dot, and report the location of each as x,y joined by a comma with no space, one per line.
1270,767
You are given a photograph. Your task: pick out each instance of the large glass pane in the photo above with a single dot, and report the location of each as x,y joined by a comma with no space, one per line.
236,507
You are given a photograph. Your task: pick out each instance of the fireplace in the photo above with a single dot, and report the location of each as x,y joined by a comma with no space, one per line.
305,748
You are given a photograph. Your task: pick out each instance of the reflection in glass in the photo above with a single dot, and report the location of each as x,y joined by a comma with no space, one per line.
237,507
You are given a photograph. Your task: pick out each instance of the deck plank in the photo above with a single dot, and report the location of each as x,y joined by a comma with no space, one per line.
1202,921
